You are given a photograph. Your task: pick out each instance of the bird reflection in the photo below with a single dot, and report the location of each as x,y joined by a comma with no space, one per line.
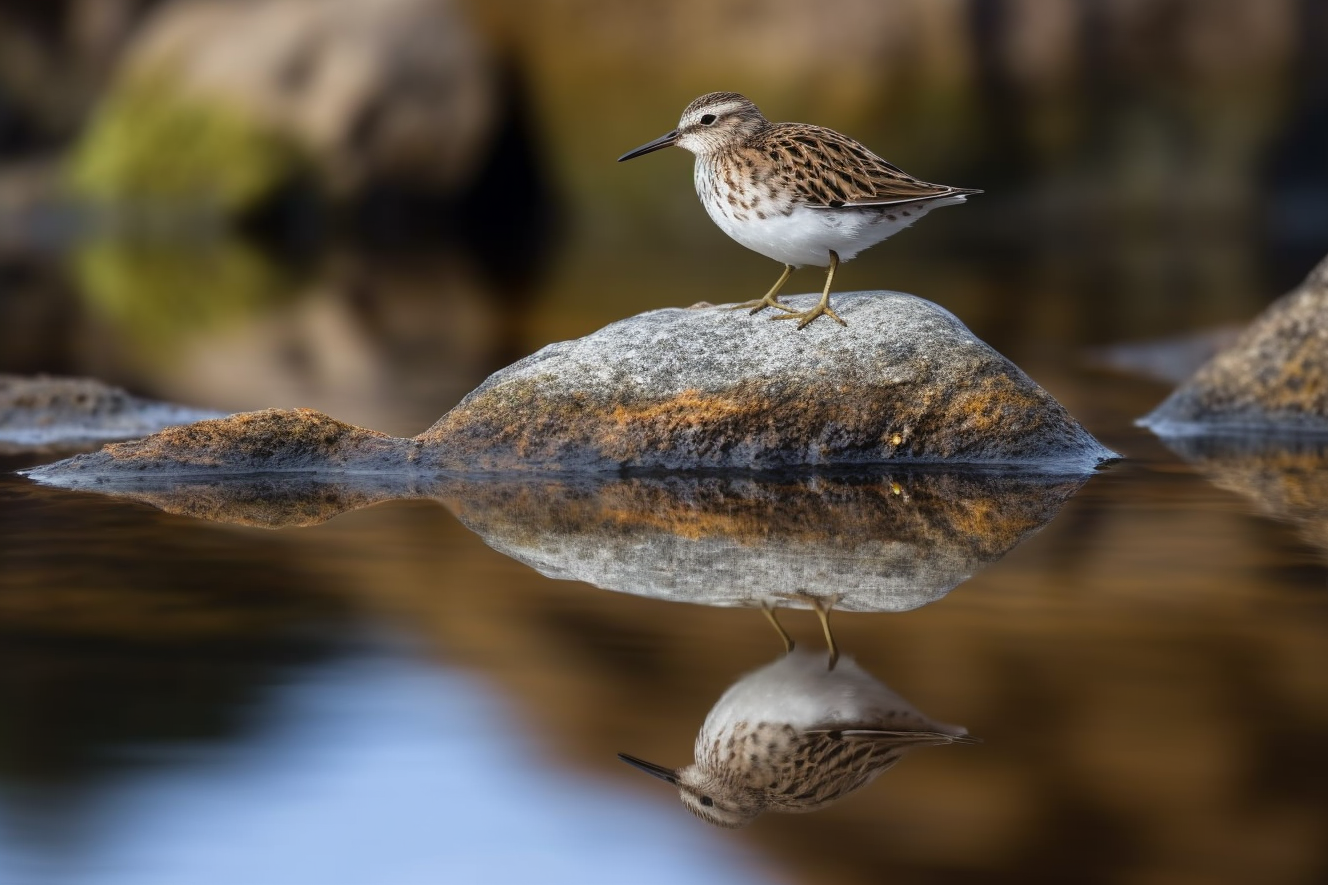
795,736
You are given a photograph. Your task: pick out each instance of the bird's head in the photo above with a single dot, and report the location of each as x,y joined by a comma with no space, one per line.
704,795
710,124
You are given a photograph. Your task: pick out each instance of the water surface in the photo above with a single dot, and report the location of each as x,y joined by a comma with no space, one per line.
366,697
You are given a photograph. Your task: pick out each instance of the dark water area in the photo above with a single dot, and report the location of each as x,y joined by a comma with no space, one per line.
400,681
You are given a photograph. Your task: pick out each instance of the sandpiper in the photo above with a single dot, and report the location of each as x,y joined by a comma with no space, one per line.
795,736
794,192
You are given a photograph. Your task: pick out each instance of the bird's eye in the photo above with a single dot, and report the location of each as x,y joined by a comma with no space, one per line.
706,800
707,119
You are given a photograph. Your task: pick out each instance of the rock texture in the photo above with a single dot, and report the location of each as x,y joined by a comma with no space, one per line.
43,412
1274,378
708,388
273,440
695,389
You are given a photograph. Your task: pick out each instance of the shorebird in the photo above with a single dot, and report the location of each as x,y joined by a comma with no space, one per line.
794,192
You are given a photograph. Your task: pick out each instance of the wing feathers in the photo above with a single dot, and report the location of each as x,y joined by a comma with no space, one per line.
831,171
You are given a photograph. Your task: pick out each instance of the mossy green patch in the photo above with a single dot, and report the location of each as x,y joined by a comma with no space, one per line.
149,142
159,291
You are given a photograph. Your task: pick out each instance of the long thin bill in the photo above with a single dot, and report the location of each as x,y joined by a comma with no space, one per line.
665,774
668,139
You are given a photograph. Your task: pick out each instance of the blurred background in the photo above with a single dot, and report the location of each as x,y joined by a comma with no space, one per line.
366,206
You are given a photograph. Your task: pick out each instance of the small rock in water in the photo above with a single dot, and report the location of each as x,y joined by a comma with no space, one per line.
906,381
1274,378
43,412
273,440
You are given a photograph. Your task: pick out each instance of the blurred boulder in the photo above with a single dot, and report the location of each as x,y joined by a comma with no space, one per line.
1273,378
42,412
228,104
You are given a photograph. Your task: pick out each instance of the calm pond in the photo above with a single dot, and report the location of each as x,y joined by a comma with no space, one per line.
370,683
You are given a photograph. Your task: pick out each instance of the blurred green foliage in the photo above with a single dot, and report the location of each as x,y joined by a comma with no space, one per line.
150,142
155,291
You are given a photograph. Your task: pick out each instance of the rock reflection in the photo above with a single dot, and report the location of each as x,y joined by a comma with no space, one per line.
879,542
795,736
875,542
1286,478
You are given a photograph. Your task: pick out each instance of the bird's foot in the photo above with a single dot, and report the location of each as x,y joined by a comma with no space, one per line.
769,611
805,317
761,304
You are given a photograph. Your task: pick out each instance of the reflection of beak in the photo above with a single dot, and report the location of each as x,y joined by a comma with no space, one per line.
668,139
650,768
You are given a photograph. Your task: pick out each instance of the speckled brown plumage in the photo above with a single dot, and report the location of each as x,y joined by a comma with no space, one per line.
796,193
827,170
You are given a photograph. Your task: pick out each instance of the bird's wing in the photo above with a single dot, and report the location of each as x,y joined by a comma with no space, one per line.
896,737
832,171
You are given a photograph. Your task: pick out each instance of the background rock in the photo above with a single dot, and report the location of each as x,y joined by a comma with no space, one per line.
708,388
46,413
1273,378
228,102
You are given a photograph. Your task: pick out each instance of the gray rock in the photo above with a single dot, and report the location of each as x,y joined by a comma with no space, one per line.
708,388
42,413
1274,378
269,441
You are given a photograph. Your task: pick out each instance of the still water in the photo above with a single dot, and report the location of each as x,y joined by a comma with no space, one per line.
331,683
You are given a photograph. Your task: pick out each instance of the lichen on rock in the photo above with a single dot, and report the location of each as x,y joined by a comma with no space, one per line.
271,440
712,389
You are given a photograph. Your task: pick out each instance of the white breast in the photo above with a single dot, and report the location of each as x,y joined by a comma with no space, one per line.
800,690
802,236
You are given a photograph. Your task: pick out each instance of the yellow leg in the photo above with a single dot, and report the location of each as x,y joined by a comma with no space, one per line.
770,299
769,612
823,612
822,307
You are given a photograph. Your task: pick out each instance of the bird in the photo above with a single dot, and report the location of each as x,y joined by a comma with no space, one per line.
797,193
795,736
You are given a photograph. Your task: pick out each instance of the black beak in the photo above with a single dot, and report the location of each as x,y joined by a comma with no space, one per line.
665,774
668,139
